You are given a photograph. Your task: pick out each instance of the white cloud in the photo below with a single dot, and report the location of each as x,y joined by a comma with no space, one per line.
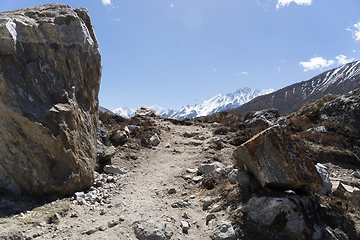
245,73
214,69
316,63
172,5
342,59
106,2
283,3
355,31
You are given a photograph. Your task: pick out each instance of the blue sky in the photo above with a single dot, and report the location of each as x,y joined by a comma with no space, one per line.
178,52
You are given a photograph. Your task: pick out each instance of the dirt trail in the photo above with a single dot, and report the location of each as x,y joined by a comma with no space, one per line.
140,194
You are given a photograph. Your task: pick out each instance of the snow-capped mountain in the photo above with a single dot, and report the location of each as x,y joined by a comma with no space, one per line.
219,103
336,81
216,104
124,112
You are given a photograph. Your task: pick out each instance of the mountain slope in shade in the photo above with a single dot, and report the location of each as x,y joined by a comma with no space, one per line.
289,99
216,104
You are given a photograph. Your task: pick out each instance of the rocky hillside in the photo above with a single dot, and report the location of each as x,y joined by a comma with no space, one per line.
218,177
289,99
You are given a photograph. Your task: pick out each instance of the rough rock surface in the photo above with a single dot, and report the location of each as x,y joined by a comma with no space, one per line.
345,108
277,162
152,230
263,117
296,216
50,68
223,231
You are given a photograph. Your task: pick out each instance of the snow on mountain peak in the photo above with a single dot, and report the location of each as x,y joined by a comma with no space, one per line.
216,104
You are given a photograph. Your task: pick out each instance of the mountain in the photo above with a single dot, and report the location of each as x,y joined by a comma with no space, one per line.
336,81
216,104
219,103
124,112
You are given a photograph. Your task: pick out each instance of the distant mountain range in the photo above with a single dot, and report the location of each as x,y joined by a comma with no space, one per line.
216,104
336,81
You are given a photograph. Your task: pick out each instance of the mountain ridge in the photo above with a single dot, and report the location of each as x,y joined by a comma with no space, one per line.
215,104
291,98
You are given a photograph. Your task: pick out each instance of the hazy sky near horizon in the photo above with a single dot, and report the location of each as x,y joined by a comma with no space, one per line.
181,52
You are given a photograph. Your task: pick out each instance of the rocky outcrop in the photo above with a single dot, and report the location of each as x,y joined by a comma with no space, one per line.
50,68
290,217
277,162
344,109
263,117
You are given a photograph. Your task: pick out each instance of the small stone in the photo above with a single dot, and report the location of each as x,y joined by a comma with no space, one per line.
187,177
122,218
168,145
186,215
223,231
192,197
74,215
114,169
207,202
110,179
215,208
185,226
155,140
112,223
172,191
356,174
79,195
102,211
209,217
191,170
197,178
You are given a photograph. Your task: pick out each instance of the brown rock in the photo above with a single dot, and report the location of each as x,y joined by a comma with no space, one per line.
50,68
277,162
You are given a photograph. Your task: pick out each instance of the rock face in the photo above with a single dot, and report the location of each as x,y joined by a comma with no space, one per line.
344,109
50,68
277,162
292,217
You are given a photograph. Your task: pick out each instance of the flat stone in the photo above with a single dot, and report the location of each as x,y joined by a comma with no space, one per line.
114,169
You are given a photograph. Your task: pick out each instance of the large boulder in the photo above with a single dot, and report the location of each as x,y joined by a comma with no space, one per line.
50,68
287,217
278,162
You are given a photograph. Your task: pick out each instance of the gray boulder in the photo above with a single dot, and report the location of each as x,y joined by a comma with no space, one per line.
278,162
119,137
114,169
223,231
209,168
291,217
155,140
152,230
103,152
50,68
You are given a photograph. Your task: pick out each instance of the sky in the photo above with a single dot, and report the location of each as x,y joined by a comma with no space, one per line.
181,52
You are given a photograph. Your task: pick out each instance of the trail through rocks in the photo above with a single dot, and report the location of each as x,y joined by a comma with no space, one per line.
156,180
